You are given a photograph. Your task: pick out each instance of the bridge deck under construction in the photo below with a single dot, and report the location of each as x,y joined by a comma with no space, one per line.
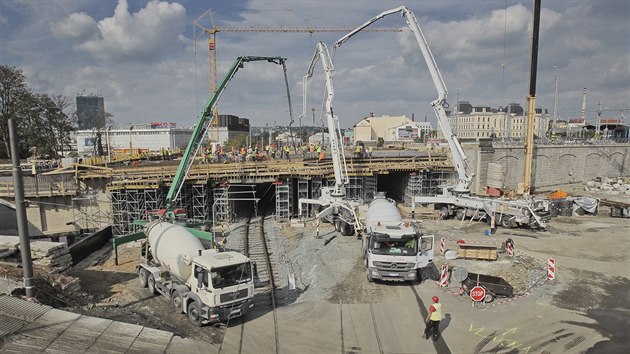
152,176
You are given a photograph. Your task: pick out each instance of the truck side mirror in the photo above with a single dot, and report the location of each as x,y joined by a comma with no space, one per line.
255,269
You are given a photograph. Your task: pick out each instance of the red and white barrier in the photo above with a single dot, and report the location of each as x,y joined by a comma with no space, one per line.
510,249
444,276
442,245
551,269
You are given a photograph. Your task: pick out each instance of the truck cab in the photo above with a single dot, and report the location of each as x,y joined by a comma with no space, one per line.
396,253
223,282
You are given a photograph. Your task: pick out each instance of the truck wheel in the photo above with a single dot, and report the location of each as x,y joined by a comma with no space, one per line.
459,214
142,277
151,284
507,222
337,225
489,298
345,228
194,313
177,301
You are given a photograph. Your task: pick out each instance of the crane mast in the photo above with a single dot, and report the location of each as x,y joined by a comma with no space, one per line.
334,132
340,212
439,105
203,122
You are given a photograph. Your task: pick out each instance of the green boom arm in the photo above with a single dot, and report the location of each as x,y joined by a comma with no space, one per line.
203,123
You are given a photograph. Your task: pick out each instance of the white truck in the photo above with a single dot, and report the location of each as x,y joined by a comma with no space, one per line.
206,284
393,249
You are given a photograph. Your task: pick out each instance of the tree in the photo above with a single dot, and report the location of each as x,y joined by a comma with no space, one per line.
65,123
38,125
236,141
13,88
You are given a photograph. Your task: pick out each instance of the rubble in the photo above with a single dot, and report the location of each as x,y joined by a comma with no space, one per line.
610,186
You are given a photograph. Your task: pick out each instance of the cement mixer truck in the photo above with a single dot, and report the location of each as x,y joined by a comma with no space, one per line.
205,284
393,249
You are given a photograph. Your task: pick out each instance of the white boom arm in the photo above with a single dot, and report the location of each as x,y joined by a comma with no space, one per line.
459,157
334,132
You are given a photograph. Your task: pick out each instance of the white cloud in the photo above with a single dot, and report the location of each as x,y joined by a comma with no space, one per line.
78,25
141,36
4,20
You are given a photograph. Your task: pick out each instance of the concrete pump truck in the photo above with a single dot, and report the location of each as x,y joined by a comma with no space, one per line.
456,199
207,285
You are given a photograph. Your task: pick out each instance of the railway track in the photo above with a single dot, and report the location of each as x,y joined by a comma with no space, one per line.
255,246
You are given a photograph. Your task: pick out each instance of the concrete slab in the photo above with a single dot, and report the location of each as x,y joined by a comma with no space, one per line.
38,335
117,337
20,309
9,325
180,345
358,335
258,334
151,340
310,328
80,336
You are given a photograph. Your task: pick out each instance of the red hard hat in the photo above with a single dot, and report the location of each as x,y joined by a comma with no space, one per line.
436,299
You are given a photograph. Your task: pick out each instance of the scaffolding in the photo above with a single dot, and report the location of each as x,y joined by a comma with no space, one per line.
284,202
303,193
154,199
354,189
413,187
200,202
316,188
369,188
120,217
221,205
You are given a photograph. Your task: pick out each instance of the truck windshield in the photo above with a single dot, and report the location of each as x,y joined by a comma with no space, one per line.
394,247
231,275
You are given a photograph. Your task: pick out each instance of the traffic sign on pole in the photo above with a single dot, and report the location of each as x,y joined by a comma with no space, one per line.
478,293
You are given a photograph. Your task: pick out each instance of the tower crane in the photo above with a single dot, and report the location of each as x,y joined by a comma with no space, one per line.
214,29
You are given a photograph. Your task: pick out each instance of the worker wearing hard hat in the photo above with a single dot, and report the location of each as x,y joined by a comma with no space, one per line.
433,320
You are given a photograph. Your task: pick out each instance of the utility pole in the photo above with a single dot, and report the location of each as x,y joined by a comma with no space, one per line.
20,211
599,120
531,101
555,101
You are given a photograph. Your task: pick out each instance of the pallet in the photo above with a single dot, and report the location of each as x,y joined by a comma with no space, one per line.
488,253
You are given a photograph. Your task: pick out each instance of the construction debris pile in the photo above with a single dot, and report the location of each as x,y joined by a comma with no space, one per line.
611,186
54,256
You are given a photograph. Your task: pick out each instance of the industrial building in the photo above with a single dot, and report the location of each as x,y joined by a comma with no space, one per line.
152,139
90,111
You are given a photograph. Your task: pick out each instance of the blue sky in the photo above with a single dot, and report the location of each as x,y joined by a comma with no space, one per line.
140,55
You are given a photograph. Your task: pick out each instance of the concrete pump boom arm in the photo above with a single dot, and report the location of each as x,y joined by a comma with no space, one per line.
459,157
203,122
334,131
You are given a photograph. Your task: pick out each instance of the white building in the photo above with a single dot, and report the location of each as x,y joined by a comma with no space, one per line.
484,122
409,131
387,127
134,138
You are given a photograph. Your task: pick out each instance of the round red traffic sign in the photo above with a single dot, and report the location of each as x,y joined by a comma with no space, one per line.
477,293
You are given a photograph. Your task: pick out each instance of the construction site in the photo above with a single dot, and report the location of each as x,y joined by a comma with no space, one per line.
511,246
